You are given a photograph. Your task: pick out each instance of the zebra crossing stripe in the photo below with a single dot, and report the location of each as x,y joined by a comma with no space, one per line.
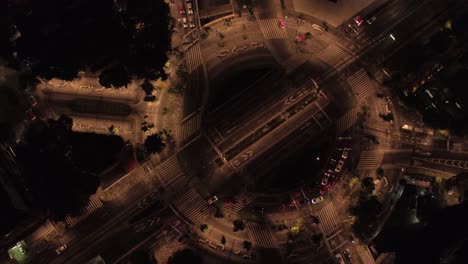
170,172
193,206
94,204
329,219
370,159
189,127
347,120
361,85
294,62
336,57
242,200
193,57
261,235
271,29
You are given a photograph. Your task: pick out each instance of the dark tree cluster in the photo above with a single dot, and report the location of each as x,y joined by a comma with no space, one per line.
60,38
58,168
185,256
367,209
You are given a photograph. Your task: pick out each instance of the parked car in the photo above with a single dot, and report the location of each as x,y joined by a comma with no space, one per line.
317,200
191,22
345,153
371,20
324,181
182,8
31,114
212,200
339,166
189,8
304,201
32,100
184,21
61,249
259,209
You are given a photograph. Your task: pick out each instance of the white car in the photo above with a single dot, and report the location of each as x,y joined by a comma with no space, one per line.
339,166
189,8
61,249
184,21
317,200
324,181
191,22
212,200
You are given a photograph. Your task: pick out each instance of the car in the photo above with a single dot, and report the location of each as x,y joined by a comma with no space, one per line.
182,8
327,174
189,8
317,200
347,255
339,166
304,201
191,22
212,200
230,201
259,209
184,21
345,153
358,20
61,249
324,181
32,100
31,114
282,24
371,20
340,259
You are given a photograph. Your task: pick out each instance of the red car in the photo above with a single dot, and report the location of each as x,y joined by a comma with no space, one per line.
281,23
182,8
358,20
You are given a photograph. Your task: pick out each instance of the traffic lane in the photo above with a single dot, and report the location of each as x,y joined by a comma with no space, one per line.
400,157
262,118
278,134
280,49
387,19
439,167
266,9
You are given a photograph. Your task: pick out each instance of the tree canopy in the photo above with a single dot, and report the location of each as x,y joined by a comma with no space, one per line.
154,143
77,35
185,256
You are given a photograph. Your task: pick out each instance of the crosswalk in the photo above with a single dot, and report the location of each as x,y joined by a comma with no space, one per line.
190,126
294,62
271,29
242,200
261,235
347,121
361,85
193,206
94,204
193,57
370,159
170,174
329,219
336,57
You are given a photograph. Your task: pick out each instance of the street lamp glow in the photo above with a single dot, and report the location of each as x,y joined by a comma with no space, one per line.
392,37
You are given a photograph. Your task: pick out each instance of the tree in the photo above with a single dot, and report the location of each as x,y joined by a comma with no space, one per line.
223,240
219,213
114,76
387,117
154,143
84,34
380,172
147,87
308,35
316,238
238,225
185,256
203,227
142,257
368,185
247,245
150,98
53,170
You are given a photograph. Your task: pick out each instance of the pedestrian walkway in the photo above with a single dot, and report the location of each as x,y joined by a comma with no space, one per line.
170,174
294,62
189,128
329,219
361,85
347,121
94,204
336,57
193,57
261,235
193,206
241,201
271,29
370,159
